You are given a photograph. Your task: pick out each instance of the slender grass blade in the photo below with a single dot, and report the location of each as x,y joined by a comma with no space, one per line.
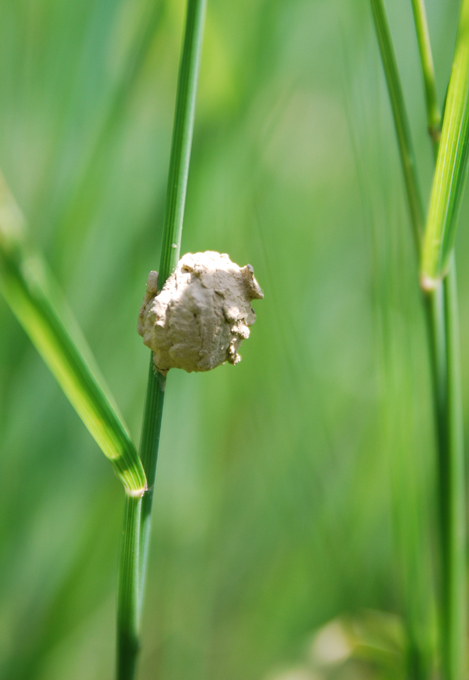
35,300
451,164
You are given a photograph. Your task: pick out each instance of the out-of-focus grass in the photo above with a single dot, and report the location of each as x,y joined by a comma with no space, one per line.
288,487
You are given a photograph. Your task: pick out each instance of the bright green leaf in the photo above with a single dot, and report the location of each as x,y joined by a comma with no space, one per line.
451,165
34,298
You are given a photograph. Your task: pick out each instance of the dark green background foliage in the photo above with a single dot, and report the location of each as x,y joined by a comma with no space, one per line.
293,488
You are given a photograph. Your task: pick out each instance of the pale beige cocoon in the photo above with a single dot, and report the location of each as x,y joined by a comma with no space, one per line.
202,315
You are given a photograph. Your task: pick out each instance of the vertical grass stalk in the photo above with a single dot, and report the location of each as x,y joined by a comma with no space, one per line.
418,657
149,453
172,233
428,71
128,606
401,122
182,138
442,327
452,501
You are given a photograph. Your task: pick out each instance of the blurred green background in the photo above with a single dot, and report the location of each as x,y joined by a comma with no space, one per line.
297,487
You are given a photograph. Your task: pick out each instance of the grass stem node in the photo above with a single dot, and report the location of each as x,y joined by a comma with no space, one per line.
429,284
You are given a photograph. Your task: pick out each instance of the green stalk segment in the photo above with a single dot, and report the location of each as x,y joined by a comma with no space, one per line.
453,502
149,454
428,70
173,221
401,122
447,389
442,327
442,303
417,618
128,608
34,298
174,215
451,164
182,138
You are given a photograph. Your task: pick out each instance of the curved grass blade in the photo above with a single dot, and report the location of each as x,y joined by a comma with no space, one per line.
34,299
451,164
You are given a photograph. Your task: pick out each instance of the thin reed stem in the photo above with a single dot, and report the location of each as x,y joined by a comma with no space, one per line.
444,301
401,122
453,501
128,607
172,233
428,71
419,659
442,327
182,138
149,453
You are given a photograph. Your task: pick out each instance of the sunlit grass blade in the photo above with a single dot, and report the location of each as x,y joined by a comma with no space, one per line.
34,298
451,164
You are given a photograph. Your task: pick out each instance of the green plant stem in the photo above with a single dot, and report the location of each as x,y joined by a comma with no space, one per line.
441,315
172,233
149,453
448,407
182,138
419,659
453,501
401,122
451,164
443,312
428,71
128,607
